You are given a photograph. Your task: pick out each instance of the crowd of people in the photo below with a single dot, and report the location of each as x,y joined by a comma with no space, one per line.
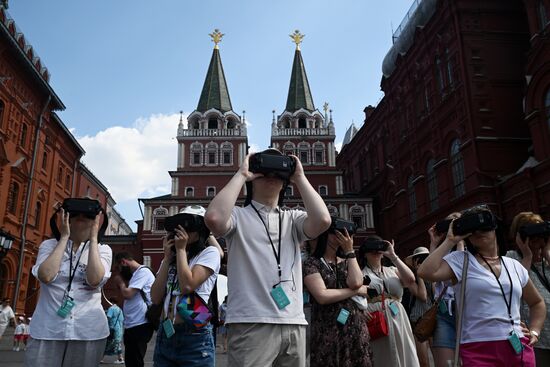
298,292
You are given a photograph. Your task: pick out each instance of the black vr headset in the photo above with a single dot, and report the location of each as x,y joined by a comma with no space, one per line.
340,225
482,220
536,230
374,245
272,163
90,208
190,222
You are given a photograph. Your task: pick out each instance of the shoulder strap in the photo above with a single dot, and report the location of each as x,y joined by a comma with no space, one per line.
461,308
144,297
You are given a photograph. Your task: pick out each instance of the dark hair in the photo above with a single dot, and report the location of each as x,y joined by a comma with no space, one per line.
195,248
123,256
248,184
113,299
321,247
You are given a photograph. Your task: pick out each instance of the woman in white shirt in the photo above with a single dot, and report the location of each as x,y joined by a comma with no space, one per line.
187,274
69,326
491,333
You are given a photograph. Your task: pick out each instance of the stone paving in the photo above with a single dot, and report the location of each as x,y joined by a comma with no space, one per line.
9,358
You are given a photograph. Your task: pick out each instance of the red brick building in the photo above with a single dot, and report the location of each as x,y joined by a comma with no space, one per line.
214,142
39,162
463,120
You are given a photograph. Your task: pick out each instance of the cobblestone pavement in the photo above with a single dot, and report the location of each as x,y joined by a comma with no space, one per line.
9,358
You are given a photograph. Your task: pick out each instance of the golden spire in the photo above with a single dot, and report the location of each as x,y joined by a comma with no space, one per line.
297,38
216,37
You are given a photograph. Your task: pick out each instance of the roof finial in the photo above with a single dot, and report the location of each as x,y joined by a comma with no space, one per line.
216,37
244,116
330,115
181,117
297,38
273,112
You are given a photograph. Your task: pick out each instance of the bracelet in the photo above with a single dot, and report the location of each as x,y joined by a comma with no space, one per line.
350,255
535,333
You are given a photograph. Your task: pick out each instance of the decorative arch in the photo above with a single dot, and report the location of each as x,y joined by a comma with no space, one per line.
159,216
289,148
211,154
357,216
304,150
333,211
226,154
319,153
196,156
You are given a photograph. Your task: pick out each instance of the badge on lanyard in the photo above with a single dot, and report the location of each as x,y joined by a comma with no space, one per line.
394,309
66,306
515,342
442,307
343,316
168,328
280,297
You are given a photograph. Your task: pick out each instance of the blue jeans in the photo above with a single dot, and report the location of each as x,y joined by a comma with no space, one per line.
187,347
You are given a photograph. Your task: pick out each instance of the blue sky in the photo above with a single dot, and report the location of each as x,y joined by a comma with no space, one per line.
125,68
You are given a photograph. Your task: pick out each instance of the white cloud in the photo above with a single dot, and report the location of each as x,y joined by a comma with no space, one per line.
254,148
134,161
338,146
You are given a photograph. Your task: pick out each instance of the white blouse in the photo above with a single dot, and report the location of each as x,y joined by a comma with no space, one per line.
87,320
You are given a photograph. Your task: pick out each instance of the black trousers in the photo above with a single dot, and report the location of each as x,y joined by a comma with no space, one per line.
135,344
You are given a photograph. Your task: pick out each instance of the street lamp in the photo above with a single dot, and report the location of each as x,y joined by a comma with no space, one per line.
6,241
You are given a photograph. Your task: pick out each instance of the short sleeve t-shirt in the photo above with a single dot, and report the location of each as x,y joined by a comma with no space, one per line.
6,314
485,312
252,267
135,307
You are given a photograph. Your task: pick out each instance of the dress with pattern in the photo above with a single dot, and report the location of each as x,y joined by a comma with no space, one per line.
333,344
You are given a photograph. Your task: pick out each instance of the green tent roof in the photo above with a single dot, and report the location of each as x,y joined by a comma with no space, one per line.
214,92
299,94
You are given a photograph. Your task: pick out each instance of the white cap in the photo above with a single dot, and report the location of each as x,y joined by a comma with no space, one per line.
193,210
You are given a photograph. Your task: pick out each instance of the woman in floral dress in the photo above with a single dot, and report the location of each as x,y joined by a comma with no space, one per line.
339,333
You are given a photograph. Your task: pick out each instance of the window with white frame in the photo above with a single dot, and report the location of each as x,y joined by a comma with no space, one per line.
303,150
211,154
323,190
319,153
226,154
159,216
332,210
210,191
196,154
147,261
189,191
357,216
289,148
289,191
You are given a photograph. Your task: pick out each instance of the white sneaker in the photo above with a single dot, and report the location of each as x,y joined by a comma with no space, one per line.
17,349
119,361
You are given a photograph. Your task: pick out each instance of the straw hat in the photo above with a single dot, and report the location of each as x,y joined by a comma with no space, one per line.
419,251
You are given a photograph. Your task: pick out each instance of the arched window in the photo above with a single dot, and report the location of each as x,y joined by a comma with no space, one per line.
196,154
457,168
189,192
439,74
231,124
332,210
23,137
323,190
67,182
432,185
449,67
45,161
226,154
319,153
357,216
289,148
412,199
88,192
211,154
289,191
212,123
303,151
159,216
13,198
543,18
37,214
210,191
302,123
60,175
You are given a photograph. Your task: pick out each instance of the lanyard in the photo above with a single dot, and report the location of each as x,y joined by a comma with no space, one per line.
382,279
172,271
335,272
508,302
72,272
276,253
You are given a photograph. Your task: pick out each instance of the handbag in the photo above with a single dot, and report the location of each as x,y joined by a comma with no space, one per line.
378,325
194,311
153,313
425,326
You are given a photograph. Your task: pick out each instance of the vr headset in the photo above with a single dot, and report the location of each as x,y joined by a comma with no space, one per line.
540,230
480,221
90,208
442,227
340,225
190,222
374,245
280,166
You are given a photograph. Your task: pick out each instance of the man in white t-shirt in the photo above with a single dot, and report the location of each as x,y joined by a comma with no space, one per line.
137,296
6,314
265,318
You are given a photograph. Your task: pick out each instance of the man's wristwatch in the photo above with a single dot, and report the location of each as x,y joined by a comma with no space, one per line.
350,255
